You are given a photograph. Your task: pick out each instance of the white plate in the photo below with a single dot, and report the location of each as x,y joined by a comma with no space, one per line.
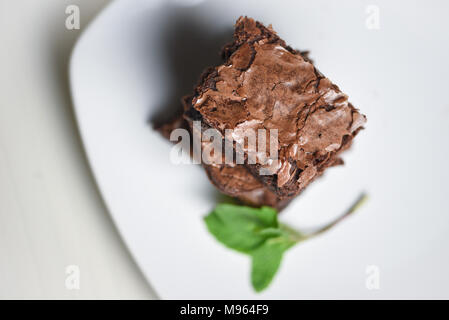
138,57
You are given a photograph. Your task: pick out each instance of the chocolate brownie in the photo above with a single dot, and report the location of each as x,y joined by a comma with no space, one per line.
265,84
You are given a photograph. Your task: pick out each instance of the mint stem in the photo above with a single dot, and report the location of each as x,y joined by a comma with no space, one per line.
297,236
357,204
294,235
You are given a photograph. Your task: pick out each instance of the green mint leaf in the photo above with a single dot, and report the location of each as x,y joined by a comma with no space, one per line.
266,260
239,227
268,215
271,232
257,233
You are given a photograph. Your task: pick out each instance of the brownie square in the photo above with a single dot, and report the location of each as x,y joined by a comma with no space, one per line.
265,84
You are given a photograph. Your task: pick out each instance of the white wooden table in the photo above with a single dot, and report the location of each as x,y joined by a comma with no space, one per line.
52,218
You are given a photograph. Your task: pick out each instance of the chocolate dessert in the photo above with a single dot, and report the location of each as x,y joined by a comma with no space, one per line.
265,84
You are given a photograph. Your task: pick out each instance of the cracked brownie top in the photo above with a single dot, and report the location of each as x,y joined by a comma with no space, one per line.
265,84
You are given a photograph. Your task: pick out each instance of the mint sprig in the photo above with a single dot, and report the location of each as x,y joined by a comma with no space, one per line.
257,232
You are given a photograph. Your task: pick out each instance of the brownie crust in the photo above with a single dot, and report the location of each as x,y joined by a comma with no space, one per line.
265,84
